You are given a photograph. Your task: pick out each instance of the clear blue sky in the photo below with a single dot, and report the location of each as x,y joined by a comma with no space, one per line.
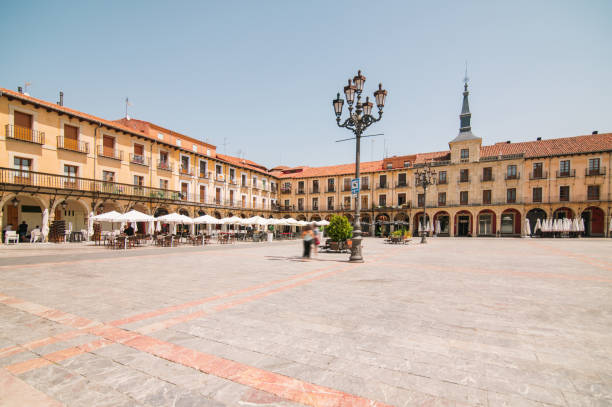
262,74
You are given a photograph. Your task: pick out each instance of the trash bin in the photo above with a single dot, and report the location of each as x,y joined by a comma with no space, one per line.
270,236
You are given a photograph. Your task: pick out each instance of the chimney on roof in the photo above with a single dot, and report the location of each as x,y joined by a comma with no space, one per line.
19,89
539,139
508,142
595,132
61,101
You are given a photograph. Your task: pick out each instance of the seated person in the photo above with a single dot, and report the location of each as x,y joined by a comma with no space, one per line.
129,230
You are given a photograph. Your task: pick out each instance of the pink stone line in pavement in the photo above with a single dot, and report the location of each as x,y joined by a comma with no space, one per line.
279,385
17,393
282,386
58,316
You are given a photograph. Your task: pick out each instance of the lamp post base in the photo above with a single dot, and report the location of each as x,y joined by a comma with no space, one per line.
423,238
356,256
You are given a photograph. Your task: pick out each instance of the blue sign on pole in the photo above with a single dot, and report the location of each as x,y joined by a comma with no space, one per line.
355,187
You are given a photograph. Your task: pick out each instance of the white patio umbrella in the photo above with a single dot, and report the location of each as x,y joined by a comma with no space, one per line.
135,216
90,222
112,216
302,223
437,229
158,226
428,227
538,226
575,225
207,220
291,221
234,220
45,225
527,228
325,223
581,224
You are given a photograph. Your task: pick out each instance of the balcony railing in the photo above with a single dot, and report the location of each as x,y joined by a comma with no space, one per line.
382,185
186,171
111,153
593,172
401,184
164,165
488,178
365,187
513,176
315,190
220,178
24,134
442,181
538,175
233,181
463,179
285,190
566,174
244,184
203,175
72,145
346,188
331,189
139,159
300,192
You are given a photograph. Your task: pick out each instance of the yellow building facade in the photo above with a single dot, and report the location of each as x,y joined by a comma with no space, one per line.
74,164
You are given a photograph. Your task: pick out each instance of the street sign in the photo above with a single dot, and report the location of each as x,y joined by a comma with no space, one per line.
355,187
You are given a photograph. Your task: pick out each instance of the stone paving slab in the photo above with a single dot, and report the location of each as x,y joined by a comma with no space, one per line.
456,322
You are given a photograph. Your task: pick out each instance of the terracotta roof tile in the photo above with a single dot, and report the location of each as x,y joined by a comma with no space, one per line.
552,147
343,169
244,163
67,110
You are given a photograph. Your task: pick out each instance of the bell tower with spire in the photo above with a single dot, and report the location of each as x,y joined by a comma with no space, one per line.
465,140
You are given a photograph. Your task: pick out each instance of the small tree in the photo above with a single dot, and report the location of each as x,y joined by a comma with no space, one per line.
339,228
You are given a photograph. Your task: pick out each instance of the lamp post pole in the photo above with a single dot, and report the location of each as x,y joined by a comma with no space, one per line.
425,178
357,122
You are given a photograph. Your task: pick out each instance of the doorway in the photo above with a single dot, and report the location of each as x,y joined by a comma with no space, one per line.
485,225
463,225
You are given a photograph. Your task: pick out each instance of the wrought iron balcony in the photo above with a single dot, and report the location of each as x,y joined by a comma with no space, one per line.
220,178
593,172
538,175
285,190
139,159
365,187
24,134
315,190
401,184
489,178
513,176
300,191
566,174
382,185
463,179
164,165
111,153
72,145
331,188
186,171
203,175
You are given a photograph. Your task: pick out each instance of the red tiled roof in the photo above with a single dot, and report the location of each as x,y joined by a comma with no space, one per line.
342,169
67,110
143,126
552,147
241,162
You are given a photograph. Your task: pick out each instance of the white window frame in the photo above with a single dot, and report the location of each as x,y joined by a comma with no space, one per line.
200,161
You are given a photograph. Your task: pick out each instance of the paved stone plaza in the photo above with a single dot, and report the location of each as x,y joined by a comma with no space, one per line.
468,322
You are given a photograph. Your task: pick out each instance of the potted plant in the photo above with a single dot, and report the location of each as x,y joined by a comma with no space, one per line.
339,230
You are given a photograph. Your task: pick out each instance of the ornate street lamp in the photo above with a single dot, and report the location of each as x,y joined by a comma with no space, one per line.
357,122
424,178
15,202
64,205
